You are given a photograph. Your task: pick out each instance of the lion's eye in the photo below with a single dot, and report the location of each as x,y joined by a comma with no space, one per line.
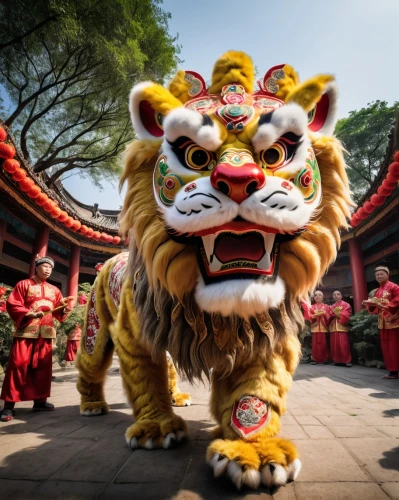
273,157
281,152
197,157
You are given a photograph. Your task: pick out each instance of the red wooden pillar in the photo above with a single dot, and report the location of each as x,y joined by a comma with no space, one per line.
39,247
359,286
3,226
73,277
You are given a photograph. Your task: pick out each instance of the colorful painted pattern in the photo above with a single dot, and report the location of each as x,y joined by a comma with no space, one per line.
93,324
116,277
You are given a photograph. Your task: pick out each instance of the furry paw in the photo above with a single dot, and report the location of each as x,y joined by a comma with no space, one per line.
164,432
180,399
94,408
271,461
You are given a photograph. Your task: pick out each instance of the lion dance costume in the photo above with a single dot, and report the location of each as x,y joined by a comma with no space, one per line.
234,203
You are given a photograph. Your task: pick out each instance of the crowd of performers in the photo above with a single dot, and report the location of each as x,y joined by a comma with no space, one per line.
34,303
330,325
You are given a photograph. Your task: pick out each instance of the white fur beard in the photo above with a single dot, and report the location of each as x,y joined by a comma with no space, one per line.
244,298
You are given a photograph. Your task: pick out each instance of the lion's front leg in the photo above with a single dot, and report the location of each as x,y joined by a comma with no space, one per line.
248,405
145,383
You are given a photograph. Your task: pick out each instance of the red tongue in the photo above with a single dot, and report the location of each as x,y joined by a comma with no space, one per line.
229,247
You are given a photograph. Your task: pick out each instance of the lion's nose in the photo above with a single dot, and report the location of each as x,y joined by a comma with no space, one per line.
238,182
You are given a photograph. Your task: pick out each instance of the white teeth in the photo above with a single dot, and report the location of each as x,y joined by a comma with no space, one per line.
269,242
209,243
215,265
264,263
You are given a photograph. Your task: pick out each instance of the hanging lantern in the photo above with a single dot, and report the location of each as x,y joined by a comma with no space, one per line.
104,237
7,150
63,216
55,213
116,240
83,229
355,221
361,213
368,207
89,233
388,185
3,134
110,238
34,192
48,206
76,225
377,200
392,169
19,174
69,222
26,184
396,156
11,165
391,177
96,235
381,191
41,199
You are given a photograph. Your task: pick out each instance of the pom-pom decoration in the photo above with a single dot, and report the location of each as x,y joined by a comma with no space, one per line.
11,166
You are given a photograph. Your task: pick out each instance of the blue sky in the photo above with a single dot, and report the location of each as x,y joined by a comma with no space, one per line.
356,40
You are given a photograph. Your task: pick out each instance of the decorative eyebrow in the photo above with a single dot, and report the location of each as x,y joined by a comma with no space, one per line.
291,138
181,142
265,118
207,120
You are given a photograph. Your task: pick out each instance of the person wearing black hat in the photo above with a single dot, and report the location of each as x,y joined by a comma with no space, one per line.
32,305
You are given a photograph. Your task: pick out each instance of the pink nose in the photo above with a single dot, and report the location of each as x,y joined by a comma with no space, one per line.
238,182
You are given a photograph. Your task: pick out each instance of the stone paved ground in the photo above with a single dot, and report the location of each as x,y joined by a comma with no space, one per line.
345,422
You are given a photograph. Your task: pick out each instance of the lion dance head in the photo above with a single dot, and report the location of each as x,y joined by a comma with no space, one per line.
234,204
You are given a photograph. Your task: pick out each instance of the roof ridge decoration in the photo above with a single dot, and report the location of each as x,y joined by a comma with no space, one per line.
34,189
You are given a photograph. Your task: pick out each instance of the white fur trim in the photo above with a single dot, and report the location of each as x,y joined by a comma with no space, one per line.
132,443
331,120
242,297
170,440
134,103
274,475
189,123
251,477
294,468
234,471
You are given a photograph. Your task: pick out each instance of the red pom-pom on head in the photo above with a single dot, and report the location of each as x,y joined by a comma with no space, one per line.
63,216
11,166
69,222
396,156
391,177
6,150
368,207
19,174
34,192
116,240
26,184
41,199
361,213
3,134
392,169
83,229
377,200
89,233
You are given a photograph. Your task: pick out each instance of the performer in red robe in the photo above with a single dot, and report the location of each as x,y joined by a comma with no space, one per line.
73,343
28,375
340,313
319,316
386,304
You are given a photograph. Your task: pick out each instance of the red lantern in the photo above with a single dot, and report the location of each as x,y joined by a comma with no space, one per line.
69,222
396,156
89,233
368,207
83,229
48,206
381,191
96,235
41,199
26,184
116,240
19,174
388,185
110,238
11,166
34,192
377,200
55,213
76,225
63,216
394,178
104,237
6,150
3,134
361,213
392,169
355,221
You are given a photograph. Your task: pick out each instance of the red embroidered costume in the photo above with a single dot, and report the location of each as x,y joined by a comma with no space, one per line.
73,343
340,350
28,375
319,317
388,323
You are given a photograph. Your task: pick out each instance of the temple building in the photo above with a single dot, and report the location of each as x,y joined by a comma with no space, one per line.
374,236
36,220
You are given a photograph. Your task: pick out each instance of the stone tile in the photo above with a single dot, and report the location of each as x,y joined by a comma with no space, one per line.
307,420
329,462
391,489
379,420
65,490
356,431
17,490
338,491
293,432
340,420
285,493
379,456
317,432
287,420
386,430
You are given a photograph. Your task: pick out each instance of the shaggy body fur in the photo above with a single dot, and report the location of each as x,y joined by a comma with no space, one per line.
159,310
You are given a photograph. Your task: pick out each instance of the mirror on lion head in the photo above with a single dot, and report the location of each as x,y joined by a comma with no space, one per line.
236,195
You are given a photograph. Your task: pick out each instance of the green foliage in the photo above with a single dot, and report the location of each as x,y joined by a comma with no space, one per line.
364,134
67,68
365,336
85,287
